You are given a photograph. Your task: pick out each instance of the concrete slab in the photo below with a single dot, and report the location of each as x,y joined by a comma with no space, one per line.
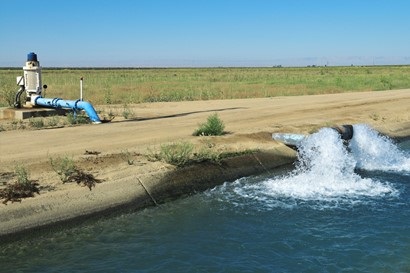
25,113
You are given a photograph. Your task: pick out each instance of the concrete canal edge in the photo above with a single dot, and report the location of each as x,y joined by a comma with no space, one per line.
58,209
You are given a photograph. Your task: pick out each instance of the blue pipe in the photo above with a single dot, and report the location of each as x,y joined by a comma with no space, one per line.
70,104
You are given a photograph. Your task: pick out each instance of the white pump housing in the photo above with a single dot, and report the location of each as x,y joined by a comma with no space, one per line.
32,77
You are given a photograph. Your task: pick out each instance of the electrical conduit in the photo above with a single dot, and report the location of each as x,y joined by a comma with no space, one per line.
70,104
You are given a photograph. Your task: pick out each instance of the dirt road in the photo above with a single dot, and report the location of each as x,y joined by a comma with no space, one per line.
156,123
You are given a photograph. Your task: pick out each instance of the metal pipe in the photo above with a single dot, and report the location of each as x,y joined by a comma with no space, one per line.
81,88
17,103
345,131
294,140
70,104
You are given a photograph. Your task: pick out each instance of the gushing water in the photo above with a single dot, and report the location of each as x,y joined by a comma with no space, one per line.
325,175
374,152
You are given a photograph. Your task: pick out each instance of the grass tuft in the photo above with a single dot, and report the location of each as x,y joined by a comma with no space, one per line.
37,123
178,154
213,127
76,118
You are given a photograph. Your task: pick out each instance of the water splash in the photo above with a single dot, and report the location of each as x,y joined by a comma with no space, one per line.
324,177
325,171
375,152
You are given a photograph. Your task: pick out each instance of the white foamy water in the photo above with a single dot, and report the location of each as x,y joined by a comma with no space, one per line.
375,152
325,173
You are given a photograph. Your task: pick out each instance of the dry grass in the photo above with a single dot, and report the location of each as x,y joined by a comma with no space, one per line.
126,86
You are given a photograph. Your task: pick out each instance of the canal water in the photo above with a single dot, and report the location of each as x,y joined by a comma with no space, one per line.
341,208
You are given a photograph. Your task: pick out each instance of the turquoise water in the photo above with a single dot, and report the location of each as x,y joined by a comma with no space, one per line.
340,209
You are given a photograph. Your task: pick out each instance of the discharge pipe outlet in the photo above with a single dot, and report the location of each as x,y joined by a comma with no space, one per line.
345,131
294,140
69,104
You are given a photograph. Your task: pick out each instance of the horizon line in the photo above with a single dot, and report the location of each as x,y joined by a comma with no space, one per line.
201,67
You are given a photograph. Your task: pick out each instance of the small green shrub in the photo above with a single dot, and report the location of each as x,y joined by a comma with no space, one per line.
64,167
53,121
21,174
71,118
23,187
184,153
17,124
76,118
127,112
127,156
213,127
207,154
37,123
178,154
68,172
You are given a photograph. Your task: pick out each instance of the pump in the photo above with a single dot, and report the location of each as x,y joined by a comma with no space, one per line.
32,75
31,82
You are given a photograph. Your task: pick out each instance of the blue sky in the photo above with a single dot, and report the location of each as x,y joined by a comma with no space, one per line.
192,33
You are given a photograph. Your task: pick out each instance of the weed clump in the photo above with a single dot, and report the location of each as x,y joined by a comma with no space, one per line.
178,154
127,112
37,123
69,172
214,126
76,118
86,179
23,187
183,153
127,156
64,167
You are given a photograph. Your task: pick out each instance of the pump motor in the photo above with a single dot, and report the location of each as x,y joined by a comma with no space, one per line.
30,81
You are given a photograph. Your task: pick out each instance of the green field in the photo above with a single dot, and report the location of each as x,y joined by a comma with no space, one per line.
127,86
